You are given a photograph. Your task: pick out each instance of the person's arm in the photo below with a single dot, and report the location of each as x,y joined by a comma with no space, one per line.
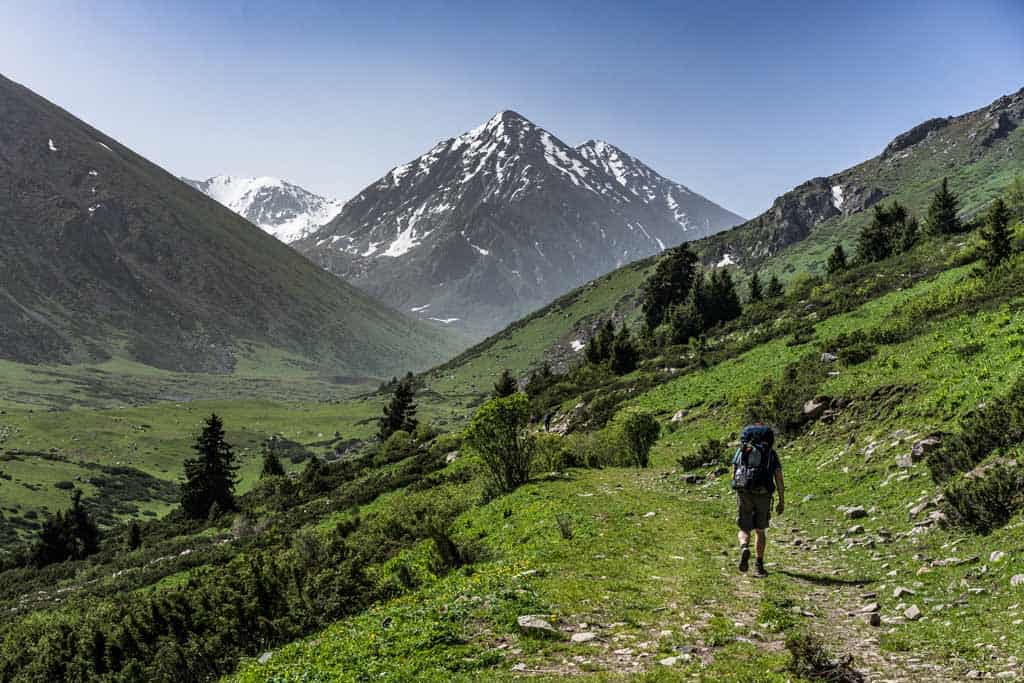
780,486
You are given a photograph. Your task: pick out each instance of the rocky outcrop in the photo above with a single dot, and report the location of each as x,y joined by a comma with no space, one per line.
914,135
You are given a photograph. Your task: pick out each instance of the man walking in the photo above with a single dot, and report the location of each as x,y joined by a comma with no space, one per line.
756,475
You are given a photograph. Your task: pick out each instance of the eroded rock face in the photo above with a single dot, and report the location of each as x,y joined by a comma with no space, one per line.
914,135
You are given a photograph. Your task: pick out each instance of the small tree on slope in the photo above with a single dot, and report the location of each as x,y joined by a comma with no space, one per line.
209,477
941,218
836,260
506,384
755,292
640,430
996,234
400,413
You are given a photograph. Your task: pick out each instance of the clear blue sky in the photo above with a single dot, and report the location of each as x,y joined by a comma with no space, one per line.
739,100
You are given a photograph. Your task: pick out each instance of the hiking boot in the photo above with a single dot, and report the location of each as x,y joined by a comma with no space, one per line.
759,570
744,558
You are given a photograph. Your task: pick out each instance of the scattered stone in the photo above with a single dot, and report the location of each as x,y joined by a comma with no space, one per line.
912,613
264,658
996,556
875,619
855,530
1007,675
519,667
680,415
827,357
692,479
1017,580
650,514
808,498
923,447
668,661
855,512
814,408
869,608
900,591
904,461
451,457
584,637
536,624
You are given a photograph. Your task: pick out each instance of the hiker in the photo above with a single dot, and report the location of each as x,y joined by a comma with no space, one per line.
547,422
756,475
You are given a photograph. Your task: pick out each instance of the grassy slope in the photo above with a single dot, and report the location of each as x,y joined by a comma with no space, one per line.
650,583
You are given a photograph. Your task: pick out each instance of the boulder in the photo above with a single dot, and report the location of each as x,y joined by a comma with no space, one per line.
827,357
923,447
1017,580
537,625
680,415
912,613
855,512
584,637
869,608
900,591
815,408
996,556
855,530
264,658
451,457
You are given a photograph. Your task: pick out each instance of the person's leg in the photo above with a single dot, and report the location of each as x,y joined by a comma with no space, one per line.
744,517
744,537
762,539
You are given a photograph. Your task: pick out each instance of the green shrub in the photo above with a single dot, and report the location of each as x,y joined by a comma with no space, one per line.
711,452
986,502
551,453
781,402
999,423
497,434
640,431
852,348
602,408
398,446
603,448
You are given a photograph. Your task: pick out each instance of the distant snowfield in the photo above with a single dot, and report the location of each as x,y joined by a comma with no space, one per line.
286,211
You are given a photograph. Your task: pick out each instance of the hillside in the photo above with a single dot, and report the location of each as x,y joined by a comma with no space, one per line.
282,209
105,255
488,226
978,151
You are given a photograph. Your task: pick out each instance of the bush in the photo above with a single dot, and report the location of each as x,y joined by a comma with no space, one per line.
781,403
497,434
999,423
398,446
598,449
602,408
551,454
640,431
711,452
986,502
811,660
852,348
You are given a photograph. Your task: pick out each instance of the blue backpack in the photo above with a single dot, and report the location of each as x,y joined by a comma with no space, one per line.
755,460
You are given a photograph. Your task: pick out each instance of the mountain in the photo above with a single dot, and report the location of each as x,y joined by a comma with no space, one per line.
286,211
976,151
490,225
105,255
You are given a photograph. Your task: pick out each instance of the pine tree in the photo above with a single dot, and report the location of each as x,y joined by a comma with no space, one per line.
836,260
210,477
624,353
400,413
909,234
82,528
996,234
722,301
272,466
1015,197
942,218
687,319
775,289
755,293
599,348
67,535
885,234
668,285
134,540
506,384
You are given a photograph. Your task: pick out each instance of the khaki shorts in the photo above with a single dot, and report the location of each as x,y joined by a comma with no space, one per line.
753,510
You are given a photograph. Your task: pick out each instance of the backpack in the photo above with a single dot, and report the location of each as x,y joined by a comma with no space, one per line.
755,460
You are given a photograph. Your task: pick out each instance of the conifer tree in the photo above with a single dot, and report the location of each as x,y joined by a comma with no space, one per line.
668,285
624,353
272,466
942,218
687,319
506,384
755,293
67,535
134,540
82,527
400,413
209,477
599,348
836,260
996,233
775,289
884,235
722,303
909,234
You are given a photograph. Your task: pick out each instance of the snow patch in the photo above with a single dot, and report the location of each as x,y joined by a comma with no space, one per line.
837,197
444,321
577,345
419,309
53,147
727,260
94,173
104,146
371,249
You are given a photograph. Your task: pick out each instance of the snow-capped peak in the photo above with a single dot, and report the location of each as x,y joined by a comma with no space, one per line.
286,211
